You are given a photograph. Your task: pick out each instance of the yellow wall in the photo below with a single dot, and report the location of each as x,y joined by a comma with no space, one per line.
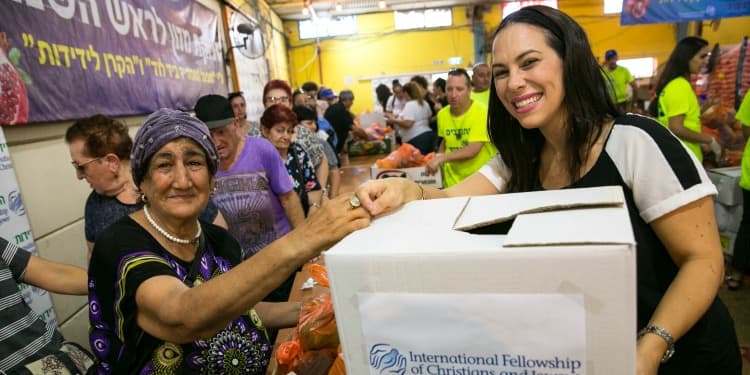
379,50
376,50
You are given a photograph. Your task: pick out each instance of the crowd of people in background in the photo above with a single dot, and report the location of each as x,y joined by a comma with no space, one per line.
543,115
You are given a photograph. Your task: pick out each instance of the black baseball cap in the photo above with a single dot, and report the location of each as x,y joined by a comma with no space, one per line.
214,110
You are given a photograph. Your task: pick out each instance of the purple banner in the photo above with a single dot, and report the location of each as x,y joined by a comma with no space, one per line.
62,60
636,12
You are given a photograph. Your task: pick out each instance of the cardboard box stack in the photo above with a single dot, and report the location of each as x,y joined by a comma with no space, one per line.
554,292
728,204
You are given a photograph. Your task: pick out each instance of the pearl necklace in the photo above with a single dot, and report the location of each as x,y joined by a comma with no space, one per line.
168,235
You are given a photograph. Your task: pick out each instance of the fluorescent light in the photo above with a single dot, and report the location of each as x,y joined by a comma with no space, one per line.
381,4
339,7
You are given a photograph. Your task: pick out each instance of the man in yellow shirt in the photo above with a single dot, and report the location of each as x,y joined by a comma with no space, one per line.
481,78
620,78
466,146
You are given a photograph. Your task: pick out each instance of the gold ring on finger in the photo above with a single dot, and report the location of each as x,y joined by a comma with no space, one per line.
354,202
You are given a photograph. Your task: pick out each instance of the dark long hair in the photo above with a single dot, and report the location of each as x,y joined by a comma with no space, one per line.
678,65
587,101
383,93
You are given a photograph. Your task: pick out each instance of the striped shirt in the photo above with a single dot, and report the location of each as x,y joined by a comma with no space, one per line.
24,336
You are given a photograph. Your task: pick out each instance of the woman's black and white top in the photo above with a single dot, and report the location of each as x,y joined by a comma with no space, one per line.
658,175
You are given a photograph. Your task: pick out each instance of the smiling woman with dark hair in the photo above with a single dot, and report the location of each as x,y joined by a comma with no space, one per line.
556,126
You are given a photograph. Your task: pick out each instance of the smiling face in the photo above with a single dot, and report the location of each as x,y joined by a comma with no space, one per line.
178,181
699,60
280,135
528,76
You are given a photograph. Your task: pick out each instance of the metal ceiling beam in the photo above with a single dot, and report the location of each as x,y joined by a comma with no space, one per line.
292,10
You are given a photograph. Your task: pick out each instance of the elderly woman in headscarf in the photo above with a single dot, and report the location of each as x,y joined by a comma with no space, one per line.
171,294
100,153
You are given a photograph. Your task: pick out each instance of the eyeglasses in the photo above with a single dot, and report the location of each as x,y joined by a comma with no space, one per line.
277,99
81,168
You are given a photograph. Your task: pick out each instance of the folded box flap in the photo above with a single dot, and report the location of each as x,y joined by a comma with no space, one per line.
491,209
607,225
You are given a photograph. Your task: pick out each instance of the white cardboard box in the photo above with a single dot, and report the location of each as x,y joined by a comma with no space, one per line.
726,181
367,119
583,247
416,174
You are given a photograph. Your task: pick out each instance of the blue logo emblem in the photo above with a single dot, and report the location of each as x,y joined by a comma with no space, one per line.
387,359
16,204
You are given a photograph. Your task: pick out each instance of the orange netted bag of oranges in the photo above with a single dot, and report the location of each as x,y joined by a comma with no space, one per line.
406,156
314,348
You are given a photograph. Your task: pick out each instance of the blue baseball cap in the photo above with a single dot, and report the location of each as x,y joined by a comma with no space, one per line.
326,93
611,54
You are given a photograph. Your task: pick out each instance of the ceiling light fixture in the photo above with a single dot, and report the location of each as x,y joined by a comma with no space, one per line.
339,8
381,4
305,11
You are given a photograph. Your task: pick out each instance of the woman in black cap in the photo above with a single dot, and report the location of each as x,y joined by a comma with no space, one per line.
170,294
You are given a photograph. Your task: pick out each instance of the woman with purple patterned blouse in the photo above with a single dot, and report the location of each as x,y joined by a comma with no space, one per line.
169,294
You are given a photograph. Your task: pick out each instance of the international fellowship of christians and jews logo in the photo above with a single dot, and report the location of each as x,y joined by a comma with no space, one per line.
15,203
387,359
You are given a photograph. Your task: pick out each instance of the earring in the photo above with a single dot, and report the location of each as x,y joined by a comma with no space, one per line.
144,199
213,190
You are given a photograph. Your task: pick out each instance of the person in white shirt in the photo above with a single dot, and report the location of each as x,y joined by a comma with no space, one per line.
414,120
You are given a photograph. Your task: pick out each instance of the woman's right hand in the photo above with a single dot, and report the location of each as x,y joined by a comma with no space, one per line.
382,196
334,220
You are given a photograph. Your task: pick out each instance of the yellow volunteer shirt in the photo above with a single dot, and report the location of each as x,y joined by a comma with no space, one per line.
457,132
678,98
621,78
743,116
482,97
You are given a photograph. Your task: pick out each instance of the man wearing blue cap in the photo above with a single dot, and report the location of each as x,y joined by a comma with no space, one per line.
620,78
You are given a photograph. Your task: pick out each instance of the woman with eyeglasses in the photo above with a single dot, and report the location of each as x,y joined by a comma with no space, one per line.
675,104
99,147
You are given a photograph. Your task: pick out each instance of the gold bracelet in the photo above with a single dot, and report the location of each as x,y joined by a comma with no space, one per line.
421,189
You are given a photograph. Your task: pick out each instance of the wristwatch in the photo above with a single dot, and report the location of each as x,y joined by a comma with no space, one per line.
664,334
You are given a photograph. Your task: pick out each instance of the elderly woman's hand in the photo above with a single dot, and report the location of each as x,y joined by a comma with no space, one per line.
335,219
382,196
